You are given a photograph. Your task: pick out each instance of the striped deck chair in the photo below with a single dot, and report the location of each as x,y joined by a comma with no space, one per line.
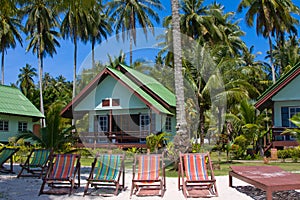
197,176
61,174
36,163
106,172
150,178
5,155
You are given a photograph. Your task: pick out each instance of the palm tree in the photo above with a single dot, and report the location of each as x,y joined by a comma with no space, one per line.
100,28
40,24
9,29
76,22
272,17
130,13
181,139
25,79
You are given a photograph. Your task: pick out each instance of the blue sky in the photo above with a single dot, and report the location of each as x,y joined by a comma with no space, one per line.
62,62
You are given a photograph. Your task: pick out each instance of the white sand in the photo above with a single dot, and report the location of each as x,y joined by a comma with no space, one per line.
27,188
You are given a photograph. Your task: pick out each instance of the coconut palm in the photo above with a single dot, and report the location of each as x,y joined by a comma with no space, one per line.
272,17
10,25
128,14
181,139
99,28
25,79
75,25
40,28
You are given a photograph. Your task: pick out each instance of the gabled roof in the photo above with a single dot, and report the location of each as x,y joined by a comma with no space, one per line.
14,102
146,88
265,100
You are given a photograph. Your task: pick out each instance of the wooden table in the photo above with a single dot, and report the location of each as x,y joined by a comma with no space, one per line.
267,178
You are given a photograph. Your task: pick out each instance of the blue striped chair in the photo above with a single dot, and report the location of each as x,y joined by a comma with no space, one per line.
107,171
36,163
61,174
195,175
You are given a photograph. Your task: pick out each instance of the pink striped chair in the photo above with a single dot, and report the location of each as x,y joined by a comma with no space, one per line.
150,177
195,175
61,174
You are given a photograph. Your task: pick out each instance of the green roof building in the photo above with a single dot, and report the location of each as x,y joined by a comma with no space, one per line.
122,106
17,113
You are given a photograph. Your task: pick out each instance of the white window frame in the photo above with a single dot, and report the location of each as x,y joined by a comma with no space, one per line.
4,125
168,124
22,126
110,102
102,125
145,123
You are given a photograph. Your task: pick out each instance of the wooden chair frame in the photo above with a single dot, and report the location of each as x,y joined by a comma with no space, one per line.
188,185
148,184
56,182
7,154
36,163
107,181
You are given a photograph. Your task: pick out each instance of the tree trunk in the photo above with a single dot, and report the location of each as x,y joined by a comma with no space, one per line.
271,60
93,53
181,139
2,67
74,67
40,60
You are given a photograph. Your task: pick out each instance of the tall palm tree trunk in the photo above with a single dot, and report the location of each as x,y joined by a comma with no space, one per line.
2,67
271,60
74,67
181,139
93,53
40,60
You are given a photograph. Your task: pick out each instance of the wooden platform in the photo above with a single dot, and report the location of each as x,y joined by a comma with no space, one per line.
267,178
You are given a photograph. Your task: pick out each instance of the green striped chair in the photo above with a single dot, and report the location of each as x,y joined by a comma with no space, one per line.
106,172
36,163
195,175
5,155
61,174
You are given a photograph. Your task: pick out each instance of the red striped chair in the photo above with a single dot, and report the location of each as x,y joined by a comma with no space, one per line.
61,175
106,172
150,178
197,176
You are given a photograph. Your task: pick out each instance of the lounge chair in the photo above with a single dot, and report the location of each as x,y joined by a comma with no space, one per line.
61,174
150,178
106,173
195,175
5,155
36,163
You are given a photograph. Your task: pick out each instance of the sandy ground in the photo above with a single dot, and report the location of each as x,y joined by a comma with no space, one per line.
27,188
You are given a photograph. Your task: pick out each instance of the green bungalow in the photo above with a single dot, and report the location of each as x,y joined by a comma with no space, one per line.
283,98
122,107
17,114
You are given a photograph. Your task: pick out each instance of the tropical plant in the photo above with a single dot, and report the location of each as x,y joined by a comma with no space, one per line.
10,25
25,80
156,141
128,14
99,28
272,18
76,25
40,27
